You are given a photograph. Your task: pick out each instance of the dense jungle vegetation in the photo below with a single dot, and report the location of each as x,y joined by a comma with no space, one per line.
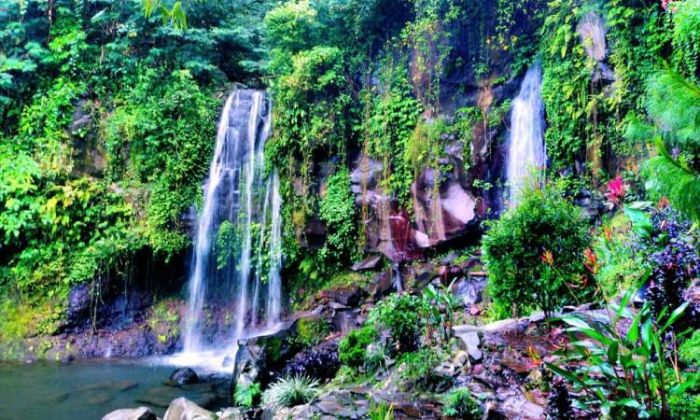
108,112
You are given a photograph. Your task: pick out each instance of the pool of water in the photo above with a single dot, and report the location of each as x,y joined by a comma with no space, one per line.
90,389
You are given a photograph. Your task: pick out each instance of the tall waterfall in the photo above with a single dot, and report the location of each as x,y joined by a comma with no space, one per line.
237,252
526,148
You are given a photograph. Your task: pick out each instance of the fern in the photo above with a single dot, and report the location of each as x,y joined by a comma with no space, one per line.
673,104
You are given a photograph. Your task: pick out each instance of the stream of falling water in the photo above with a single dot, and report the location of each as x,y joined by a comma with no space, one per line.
241,209
526,148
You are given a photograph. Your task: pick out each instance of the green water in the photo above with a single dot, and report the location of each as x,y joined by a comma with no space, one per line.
90,389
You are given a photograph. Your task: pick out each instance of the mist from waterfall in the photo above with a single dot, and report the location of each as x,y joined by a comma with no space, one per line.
526,147
237,251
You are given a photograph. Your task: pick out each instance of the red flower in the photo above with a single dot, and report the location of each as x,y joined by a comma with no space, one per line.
548,258
591,262
616,190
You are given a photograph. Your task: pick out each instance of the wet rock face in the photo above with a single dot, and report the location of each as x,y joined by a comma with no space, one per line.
592,31
184,376
439,214
78,303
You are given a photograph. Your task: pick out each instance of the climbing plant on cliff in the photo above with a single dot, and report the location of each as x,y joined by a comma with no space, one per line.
338,214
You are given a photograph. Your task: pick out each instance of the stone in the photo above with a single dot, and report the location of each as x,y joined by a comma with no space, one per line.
319,362
184,376
369,263
184,409
472,341
141,413
230,413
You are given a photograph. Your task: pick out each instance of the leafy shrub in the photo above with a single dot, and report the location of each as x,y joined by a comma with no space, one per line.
534,251
622,375
290,392
460,403
377,357
689,351
379,411
247,396
417,367
311,332
684,406
352,348
400,314
615,262
438,304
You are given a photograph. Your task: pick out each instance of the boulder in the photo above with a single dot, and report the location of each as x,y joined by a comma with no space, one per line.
369,263
184,376
319,362
141,413
184,409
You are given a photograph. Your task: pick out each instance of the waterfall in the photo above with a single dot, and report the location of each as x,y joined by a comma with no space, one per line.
241,209
526,148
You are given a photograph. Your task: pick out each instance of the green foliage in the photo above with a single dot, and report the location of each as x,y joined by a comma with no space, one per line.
165,155
617,266
684,406
311,332
338,214
378,411
584,118
247,396
394,116
673,104
459,403
689,351
438,308
686,38
400,314
417,367
622,374
289,392
534,253
352,348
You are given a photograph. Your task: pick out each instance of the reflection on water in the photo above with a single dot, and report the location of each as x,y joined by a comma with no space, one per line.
90,389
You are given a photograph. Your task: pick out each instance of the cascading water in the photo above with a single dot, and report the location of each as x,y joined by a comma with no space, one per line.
241,209
526,148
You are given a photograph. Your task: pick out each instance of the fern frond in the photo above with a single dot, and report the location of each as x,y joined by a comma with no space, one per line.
674,104
681,185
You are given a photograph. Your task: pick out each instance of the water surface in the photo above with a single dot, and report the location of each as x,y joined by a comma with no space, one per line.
90,389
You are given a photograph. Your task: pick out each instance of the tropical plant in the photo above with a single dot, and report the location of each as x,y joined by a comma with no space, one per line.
289,392
400,314
378,411
247,396
459,403
534,254
673,104
438,308
352,348
623,374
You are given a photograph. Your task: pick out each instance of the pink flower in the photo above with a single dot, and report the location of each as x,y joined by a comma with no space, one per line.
616,190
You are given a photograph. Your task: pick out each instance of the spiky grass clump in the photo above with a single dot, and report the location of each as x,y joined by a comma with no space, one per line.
290,392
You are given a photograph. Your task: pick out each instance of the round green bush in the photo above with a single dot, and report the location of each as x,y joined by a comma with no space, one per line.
533,251
400,314
353,347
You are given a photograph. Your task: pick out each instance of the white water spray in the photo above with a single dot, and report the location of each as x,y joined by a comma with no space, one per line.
526,148
240,209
